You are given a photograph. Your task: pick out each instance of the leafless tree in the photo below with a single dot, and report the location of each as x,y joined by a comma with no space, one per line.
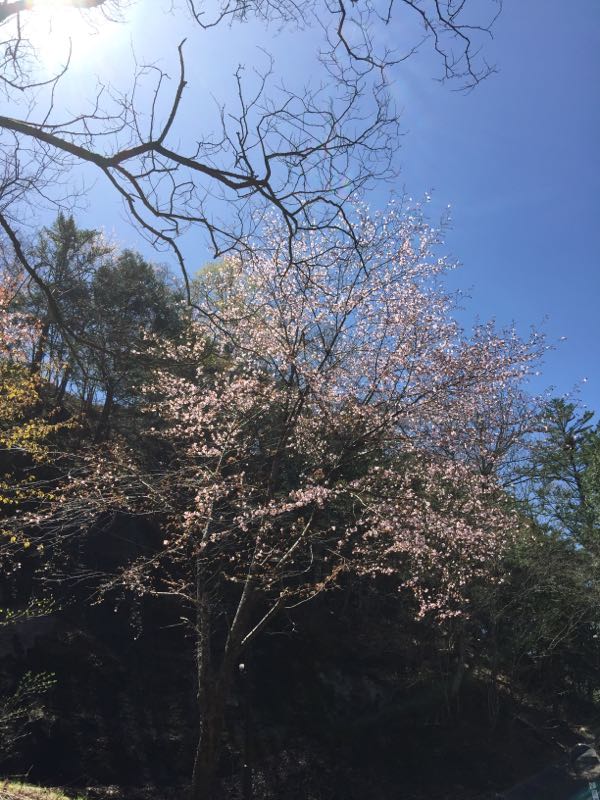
298,154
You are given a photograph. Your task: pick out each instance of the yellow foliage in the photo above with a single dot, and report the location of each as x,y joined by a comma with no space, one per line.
25,434
19,395
21,432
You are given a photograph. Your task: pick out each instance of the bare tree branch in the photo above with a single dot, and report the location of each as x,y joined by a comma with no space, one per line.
300,154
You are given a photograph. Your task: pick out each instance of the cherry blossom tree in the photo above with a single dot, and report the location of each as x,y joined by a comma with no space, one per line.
318,420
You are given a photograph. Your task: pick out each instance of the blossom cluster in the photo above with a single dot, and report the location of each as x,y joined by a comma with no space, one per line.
337,415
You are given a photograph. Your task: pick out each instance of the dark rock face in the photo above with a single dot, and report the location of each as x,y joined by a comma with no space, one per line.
122,710
337,703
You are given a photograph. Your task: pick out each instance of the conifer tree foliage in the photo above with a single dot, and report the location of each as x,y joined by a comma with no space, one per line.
66,258
90,311
305,429
545,613
131,299
563,472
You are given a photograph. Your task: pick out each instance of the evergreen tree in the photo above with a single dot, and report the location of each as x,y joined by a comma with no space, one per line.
563,472
67,257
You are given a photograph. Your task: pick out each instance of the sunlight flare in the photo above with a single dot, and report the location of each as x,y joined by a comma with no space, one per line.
58,28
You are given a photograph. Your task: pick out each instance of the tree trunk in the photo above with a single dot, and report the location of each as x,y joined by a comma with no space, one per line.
214,681
493,691
247,792
102,429
213,687
40,348
62,389
208,749
459,672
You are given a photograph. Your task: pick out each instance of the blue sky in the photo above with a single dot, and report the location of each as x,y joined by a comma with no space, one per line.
517,159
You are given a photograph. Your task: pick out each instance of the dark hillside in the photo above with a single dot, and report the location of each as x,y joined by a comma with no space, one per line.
322,708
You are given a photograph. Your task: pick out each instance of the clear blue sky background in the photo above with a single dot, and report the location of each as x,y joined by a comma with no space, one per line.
517,159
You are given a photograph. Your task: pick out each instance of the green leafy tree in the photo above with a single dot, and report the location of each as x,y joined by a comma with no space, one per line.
542,620
66,258
109,303
130,302
563,473
23,429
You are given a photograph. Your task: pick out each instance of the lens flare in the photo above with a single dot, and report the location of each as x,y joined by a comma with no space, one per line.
58,31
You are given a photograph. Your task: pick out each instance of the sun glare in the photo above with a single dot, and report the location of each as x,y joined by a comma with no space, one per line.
55,28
